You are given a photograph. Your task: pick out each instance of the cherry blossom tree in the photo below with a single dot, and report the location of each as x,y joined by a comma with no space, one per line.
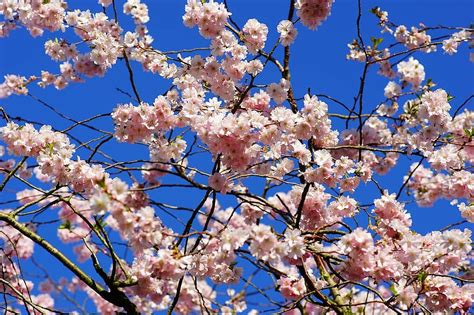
280,218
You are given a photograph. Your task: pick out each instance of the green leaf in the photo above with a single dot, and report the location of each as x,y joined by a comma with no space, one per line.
422,276
450,97
50,148
430,83
101,183
469,133
376,41
65,225
392,289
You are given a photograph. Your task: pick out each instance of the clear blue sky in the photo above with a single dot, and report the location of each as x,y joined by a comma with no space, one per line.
318,62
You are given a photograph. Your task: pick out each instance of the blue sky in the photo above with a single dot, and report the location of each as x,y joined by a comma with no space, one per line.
318,62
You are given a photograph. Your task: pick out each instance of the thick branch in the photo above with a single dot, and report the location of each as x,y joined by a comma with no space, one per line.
115,297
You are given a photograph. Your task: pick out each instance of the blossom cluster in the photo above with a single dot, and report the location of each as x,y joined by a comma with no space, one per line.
313,12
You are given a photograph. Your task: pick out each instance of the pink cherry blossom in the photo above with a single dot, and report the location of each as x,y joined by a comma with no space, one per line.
255,35
411,71
287,32
313,12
